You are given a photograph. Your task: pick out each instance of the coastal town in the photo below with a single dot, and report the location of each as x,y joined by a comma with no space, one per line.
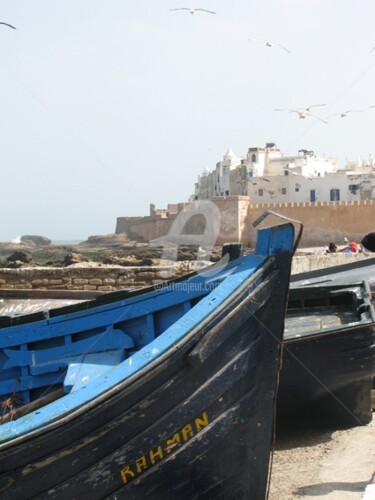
325,197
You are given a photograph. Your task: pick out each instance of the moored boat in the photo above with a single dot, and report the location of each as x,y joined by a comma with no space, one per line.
164,393
328,354
357,270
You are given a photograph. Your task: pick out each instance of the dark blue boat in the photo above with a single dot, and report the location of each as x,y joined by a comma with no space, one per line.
354,271
328,354
164,393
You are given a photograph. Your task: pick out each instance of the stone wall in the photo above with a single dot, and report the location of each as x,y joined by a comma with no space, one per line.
102,279
238,214
108,278
346,216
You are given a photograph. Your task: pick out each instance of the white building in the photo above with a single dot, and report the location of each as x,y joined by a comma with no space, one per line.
266,176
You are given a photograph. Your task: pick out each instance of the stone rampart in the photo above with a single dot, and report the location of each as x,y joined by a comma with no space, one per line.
238,214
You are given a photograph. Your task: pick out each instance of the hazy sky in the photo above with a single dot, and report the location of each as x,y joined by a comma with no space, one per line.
109,105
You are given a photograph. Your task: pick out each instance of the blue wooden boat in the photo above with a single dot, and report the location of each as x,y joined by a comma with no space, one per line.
328,354
164,393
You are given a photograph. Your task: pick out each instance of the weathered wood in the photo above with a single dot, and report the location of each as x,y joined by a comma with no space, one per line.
34,405
49,294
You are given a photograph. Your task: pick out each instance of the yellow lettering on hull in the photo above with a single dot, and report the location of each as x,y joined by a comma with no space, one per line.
144,462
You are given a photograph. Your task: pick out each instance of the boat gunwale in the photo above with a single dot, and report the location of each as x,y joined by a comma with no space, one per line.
110,389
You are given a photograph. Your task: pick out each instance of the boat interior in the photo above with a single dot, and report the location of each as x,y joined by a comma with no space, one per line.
326,307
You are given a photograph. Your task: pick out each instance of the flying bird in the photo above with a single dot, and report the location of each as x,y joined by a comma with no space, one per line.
342,114
269,44
312,106
9,25
303,112
193,11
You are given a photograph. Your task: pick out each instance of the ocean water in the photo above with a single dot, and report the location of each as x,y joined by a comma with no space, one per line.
54,242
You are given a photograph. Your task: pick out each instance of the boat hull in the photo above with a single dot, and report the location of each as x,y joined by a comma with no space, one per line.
195,423
327,370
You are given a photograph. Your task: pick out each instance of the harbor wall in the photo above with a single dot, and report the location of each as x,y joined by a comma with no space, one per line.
110,278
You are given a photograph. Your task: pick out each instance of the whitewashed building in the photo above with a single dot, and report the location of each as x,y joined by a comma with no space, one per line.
267,176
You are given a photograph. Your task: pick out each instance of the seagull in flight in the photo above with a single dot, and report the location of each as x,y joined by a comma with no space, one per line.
193,11
342,114
269,44
304,112
308,108
9,25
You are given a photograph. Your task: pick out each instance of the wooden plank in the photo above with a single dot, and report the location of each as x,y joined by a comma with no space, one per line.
49,294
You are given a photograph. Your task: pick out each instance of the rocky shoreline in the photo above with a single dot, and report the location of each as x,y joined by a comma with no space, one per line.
109,250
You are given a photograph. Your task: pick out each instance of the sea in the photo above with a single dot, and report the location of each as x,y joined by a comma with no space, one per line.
53,242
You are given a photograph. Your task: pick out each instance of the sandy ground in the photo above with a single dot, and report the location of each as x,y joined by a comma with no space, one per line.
324,464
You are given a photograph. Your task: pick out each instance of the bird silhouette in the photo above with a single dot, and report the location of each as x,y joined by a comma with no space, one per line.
193,11
308,108
269,44
9,25
304,112
342,114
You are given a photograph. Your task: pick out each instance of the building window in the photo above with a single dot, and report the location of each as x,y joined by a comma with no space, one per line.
253,158
260,192
283,190
312,196
353,188
334,195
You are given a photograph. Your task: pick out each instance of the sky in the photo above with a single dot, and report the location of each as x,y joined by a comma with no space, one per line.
108,106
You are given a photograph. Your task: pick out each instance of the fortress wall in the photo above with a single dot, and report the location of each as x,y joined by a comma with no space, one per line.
238,214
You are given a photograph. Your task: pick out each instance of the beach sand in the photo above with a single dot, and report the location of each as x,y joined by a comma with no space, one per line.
324,464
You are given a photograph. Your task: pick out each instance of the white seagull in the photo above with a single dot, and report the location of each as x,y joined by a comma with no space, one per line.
269,44
342,114
304,112
9,25
193,11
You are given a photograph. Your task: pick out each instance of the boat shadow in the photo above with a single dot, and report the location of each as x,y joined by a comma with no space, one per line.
330,487
304,433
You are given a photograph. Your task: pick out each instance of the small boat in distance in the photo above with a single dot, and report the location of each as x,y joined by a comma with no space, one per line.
167,392
328,355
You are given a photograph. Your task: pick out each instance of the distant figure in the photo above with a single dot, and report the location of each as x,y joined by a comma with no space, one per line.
368,242
353,247
332,248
